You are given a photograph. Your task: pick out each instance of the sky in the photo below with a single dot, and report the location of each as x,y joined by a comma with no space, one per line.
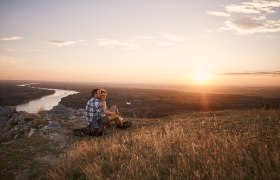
220,42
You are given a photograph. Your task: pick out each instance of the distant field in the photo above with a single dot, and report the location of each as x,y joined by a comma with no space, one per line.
12,95
154,103
151,102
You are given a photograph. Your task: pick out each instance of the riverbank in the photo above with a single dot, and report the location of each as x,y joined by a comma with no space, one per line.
30,97
12,95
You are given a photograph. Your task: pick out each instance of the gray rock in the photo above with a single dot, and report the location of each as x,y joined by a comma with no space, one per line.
6,113
81,112
62,110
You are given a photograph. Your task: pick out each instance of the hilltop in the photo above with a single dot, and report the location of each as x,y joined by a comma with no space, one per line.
231,144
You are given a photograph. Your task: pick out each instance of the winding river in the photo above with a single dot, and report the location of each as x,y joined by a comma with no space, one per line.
45,102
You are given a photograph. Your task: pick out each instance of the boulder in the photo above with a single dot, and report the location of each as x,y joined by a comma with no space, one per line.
6,113
81,112
21,124
62,110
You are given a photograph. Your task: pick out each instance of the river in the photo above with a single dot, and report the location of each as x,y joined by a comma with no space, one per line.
45,102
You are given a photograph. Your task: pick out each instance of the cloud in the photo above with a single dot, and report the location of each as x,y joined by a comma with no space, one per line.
61,42
220,14
272,73
4,60
173,37
145,37
254,7
250,26
165,44
11,50
161,39
115,43
35,50
253,16
11,38
242,8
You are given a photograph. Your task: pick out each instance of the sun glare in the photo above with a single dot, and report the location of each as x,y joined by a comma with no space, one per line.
201,76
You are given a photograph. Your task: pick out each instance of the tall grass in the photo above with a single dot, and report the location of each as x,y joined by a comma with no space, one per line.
41,111
224,145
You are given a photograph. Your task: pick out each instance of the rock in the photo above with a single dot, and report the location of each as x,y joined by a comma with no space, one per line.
62,110
81,112
6,113
31,132
20,124
31,117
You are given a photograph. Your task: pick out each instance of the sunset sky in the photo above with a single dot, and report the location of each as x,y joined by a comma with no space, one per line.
233,42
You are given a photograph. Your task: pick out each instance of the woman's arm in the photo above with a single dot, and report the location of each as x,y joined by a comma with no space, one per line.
105,110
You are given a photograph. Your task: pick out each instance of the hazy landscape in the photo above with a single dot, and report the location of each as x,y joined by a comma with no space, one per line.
196,83
151,102
174,134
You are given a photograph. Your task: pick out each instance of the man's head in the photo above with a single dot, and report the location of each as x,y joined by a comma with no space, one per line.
103,94
96,93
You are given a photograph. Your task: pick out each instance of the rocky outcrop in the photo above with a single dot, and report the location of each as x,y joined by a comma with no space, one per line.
14,124
62,111
6,113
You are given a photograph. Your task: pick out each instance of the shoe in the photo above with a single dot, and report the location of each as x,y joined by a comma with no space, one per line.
126,124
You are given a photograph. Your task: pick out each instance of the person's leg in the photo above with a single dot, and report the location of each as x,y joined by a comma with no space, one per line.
116,118
114,108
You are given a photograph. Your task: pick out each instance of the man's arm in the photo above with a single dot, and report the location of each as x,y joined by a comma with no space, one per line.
89,113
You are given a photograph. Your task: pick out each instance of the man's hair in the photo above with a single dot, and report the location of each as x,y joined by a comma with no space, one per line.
94,91
103,91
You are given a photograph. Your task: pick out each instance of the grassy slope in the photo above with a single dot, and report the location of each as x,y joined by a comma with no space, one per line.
227,144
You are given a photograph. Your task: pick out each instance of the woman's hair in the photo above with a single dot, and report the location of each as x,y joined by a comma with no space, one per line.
103,91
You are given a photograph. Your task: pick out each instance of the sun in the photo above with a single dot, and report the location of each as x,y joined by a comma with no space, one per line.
201,76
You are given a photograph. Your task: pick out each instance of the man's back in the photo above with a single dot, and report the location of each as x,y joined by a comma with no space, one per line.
93,111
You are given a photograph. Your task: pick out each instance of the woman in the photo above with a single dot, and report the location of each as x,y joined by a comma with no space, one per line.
109,115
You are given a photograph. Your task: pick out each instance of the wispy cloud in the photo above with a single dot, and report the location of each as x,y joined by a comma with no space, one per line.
115,43
253,16
11,38
272,73
161,39
145,37
61,42
35,50
11,50
165,44
216,13
254,7
4,60
173,37
250,26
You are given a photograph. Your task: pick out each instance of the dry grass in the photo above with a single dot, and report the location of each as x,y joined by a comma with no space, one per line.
215,145
41,111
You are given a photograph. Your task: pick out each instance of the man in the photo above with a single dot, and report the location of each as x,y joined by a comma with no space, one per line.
93,114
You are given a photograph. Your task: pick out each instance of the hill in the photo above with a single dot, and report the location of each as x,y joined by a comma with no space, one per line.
229,144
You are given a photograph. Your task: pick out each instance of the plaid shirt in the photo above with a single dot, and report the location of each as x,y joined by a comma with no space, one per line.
93,111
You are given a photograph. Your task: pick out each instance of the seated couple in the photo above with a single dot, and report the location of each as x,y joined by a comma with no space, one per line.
98,115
